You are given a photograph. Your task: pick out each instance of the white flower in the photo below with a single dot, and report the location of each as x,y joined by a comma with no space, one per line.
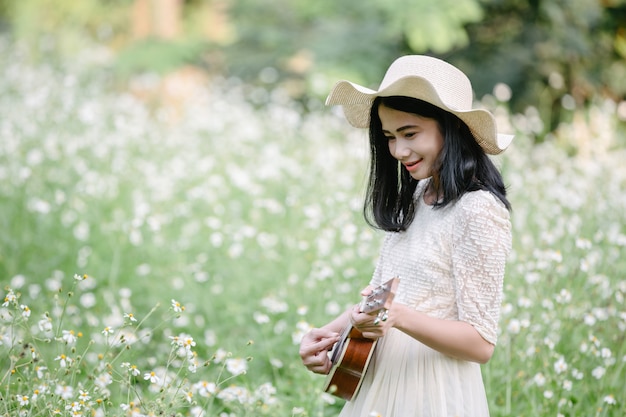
234,393
514,326
40,371
177,307
152,377
567,385
188,396
69,337
539,379
205,389
197,412
64,361
64,391
564,297
589,319
560,365
130,317
103,380
10,298
25,311
598,372
107,331
74,407
176,340
22,399
610,399
265,393
83,395
220,355
131,369
45,324
274,305
188,342
261,318
236,366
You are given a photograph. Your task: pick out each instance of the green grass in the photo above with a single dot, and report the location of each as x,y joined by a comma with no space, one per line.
249,216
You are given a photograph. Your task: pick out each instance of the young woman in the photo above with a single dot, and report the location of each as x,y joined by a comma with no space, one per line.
443,204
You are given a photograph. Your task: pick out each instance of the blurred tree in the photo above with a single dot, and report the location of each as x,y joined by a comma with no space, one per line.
327,38
556,55
158,18
65,26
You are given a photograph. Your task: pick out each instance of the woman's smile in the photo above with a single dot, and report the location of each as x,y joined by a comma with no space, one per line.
412,166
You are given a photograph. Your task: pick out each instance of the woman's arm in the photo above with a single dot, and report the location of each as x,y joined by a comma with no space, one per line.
454,338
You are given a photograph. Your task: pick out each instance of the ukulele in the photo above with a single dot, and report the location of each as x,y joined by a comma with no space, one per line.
351,355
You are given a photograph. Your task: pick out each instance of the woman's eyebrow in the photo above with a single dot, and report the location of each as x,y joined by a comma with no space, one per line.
401,129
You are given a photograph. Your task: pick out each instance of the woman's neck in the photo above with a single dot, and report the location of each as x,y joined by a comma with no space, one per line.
432,193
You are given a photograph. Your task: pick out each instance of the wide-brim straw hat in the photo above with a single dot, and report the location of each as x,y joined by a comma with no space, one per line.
429,79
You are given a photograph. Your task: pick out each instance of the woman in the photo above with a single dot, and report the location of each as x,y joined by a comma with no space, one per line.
443,204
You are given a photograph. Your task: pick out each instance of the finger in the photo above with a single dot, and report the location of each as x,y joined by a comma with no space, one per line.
320,346
320,369
322,333
319,363
367,290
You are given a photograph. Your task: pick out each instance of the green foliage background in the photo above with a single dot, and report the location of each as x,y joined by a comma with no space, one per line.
548,52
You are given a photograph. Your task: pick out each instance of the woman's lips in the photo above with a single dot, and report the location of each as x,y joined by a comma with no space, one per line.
412,166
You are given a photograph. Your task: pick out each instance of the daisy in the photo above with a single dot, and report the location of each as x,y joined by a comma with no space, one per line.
83,395
152,377
69,337
130,317
177,307
205,389
10,298
22,399
64,361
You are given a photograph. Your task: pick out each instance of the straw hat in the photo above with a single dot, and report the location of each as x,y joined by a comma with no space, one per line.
429,79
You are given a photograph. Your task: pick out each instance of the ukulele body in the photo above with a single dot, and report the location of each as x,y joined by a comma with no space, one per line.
351,355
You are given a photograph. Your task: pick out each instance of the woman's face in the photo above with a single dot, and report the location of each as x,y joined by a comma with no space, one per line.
413,140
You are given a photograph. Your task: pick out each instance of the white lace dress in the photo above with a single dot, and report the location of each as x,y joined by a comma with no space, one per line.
451,265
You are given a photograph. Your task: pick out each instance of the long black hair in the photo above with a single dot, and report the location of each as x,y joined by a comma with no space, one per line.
462,166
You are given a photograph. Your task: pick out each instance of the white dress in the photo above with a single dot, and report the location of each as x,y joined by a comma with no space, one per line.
451,266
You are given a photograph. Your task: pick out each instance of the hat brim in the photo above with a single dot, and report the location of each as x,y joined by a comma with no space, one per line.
357,102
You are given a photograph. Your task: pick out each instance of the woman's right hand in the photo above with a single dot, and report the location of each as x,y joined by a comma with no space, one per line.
314,349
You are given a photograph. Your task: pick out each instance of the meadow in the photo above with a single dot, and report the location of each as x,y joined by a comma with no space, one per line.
166,260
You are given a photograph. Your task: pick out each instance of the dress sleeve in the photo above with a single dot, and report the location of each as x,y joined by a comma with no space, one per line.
481,244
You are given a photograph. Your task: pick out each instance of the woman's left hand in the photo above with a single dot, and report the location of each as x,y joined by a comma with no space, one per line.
372,325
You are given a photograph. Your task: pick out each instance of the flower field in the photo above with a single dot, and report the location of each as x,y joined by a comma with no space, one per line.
166,260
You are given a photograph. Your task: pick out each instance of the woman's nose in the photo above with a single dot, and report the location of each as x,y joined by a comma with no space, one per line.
402,150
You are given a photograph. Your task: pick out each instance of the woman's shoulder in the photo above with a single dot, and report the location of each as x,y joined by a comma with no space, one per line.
482,202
